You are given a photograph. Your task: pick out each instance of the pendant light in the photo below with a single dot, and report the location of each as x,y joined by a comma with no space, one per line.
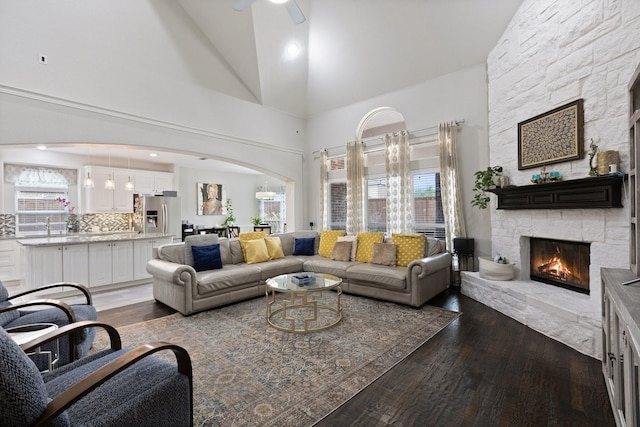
265,194
129,185
109,184
88,182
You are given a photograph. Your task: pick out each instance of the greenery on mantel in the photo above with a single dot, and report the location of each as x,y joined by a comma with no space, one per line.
484,181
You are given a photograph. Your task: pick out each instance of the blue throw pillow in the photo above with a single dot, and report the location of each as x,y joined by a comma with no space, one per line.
206,257
304,246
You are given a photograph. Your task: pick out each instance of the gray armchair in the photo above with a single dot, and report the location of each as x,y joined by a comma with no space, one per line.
111,387
71,347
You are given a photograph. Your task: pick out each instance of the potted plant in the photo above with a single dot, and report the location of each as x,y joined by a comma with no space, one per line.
256,219
484,181
230,219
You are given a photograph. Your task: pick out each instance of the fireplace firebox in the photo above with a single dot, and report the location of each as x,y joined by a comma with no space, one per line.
561,263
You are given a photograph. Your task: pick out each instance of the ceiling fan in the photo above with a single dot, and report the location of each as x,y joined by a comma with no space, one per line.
292,7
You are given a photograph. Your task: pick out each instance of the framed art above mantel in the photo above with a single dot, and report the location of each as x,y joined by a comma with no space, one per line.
552,137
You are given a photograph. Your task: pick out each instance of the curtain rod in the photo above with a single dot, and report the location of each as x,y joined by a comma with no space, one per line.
413,134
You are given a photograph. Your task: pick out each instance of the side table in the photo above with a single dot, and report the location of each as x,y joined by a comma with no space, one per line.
24,334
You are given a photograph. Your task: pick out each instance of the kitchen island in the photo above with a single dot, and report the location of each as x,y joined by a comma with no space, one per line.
104,260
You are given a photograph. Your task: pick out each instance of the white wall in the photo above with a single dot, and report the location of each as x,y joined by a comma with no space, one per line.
134,73
455,96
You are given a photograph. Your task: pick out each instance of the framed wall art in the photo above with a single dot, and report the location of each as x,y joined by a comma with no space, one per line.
210,197
553,137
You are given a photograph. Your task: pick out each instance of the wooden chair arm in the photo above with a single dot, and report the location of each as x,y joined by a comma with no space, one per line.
68,397
114,336
66,308
82,288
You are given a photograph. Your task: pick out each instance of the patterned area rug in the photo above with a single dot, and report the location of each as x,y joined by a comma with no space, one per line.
246,373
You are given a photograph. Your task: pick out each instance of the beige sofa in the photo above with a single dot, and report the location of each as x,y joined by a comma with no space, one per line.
177,284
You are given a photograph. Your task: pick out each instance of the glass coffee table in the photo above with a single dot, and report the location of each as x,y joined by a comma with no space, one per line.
308,307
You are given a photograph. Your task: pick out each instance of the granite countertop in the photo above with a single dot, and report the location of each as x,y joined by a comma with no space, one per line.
77,238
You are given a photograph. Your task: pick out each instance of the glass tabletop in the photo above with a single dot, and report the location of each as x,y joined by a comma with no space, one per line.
300,282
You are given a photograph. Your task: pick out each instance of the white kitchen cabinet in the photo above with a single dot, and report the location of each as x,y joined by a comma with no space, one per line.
101,200
143,252
9,261
148,182
53,264
110,262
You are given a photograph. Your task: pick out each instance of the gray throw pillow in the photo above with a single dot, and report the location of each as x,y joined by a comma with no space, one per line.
341,251
384,254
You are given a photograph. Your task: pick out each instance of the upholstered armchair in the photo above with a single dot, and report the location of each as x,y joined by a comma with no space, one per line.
13,315
111,387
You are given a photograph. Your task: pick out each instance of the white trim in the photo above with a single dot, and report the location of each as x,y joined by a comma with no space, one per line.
140,119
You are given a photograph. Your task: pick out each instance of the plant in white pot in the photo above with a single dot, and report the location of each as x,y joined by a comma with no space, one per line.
498,268
484,181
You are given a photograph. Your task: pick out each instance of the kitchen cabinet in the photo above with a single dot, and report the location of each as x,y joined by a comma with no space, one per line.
59,263
101,200
110,262
9,261
143,252
148,182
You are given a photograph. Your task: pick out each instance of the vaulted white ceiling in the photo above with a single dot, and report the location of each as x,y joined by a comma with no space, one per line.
351,50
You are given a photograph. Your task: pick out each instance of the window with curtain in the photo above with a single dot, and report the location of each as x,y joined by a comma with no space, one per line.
427,204
273,212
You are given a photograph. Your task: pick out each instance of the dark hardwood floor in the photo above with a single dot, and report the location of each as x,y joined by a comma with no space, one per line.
484,369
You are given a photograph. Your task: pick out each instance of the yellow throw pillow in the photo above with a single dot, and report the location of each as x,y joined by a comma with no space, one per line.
410,247
274,246
256,251
366,239
328,238
249,235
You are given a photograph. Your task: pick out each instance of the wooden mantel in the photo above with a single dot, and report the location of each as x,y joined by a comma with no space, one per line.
586,193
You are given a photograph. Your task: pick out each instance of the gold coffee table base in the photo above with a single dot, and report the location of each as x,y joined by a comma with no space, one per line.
307,309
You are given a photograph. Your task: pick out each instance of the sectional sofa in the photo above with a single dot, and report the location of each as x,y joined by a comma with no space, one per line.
238,275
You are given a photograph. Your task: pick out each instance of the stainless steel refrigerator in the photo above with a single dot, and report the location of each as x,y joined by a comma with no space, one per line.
162,214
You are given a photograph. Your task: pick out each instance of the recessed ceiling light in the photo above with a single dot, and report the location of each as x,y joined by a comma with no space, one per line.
292,49
41,147
153,154
278,1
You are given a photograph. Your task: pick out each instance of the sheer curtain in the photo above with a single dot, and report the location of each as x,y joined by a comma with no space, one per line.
355,188
399,197
449,184
323,189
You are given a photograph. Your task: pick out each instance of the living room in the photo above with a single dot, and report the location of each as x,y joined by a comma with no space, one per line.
549,54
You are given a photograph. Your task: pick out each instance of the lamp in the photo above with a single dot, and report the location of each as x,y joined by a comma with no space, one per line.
88,182
109,184
129,185
265,194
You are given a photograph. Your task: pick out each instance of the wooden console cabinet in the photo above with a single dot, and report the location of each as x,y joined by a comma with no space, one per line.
621,344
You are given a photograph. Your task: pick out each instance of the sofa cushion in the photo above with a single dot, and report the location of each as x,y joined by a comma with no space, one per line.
304,246
225,251
256,251
341,251
172,252
410,247
354,244
327,240
318,264
287,239
380,276
366,239
197,240
274,246
434,246
237,256
384,254
206,257
213,281
280,266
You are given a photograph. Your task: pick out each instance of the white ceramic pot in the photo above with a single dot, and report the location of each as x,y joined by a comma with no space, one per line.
491,270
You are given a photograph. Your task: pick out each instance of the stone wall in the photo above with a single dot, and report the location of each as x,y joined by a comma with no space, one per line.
552,53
